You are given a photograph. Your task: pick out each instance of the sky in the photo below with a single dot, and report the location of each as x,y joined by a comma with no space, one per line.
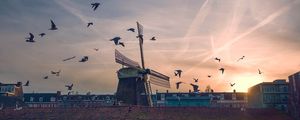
189,33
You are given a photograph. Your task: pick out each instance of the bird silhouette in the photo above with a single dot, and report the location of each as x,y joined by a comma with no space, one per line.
53,26
196,80
178,73
30,38
27,83
116,40
153,39
96,49
177,84
69,58
46,77
95,5
232,84
89,24
241,58
259,72
131,29
195,87
218,59
56,73
84,59
222,70
69,87
209,76
42,34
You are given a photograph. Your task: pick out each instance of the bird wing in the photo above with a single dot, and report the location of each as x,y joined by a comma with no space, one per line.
52,24
31,35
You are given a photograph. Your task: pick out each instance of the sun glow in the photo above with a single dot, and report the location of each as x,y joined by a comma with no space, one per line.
246,80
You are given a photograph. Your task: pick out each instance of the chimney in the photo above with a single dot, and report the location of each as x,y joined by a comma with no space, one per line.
234,91
156,91
190,91
167,91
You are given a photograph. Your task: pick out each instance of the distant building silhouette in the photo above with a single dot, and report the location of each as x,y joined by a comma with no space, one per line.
269,95
216,99
11,94
294,92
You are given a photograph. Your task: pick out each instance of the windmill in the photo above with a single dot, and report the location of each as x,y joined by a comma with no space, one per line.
135,81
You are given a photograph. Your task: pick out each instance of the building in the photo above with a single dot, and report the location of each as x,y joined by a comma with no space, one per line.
86,100
182,99
41,100
294,92
215,99
269,95
15,90
228,99
11,94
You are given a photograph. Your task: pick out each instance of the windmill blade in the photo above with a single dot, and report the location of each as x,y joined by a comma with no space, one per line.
123,60
140,29
159,79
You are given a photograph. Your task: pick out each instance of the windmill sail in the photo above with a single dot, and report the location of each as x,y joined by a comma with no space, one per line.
123,60
159,79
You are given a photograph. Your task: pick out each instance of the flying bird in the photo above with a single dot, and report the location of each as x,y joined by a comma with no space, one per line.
241,58
259,72
218,59
42,34
153,39
89,24
84,59
53,26
46,77
96,49
209,76
178,73
222,70
195,87
117,41
196,80
69,86
27,83
69,58
131,29
177,84
55,73
95,5
30,38
232,84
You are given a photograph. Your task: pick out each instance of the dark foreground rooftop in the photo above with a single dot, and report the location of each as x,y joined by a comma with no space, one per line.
142,113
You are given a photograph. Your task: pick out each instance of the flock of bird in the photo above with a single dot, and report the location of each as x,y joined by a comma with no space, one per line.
117,41
195,87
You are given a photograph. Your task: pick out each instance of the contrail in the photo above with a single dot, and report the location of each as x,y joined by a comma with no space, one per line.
68,6
200,17
267,20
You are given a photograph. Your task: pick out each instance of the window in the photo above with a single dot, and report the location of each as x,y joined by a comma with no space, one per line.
31,99
41,99
52,99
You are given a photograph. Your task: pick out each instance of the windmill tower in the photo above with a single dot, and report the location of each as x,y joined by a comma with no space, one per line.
134,85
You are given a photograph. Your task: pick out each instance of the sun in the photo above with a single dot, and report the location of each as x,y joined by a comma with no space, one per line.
246,80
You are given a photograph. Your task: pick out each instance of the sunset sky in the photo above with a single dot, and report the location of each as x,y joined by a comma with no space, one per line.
190,33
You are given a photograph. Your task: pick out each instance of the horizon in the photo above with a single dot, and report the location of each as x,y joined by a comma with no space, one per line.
267,34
